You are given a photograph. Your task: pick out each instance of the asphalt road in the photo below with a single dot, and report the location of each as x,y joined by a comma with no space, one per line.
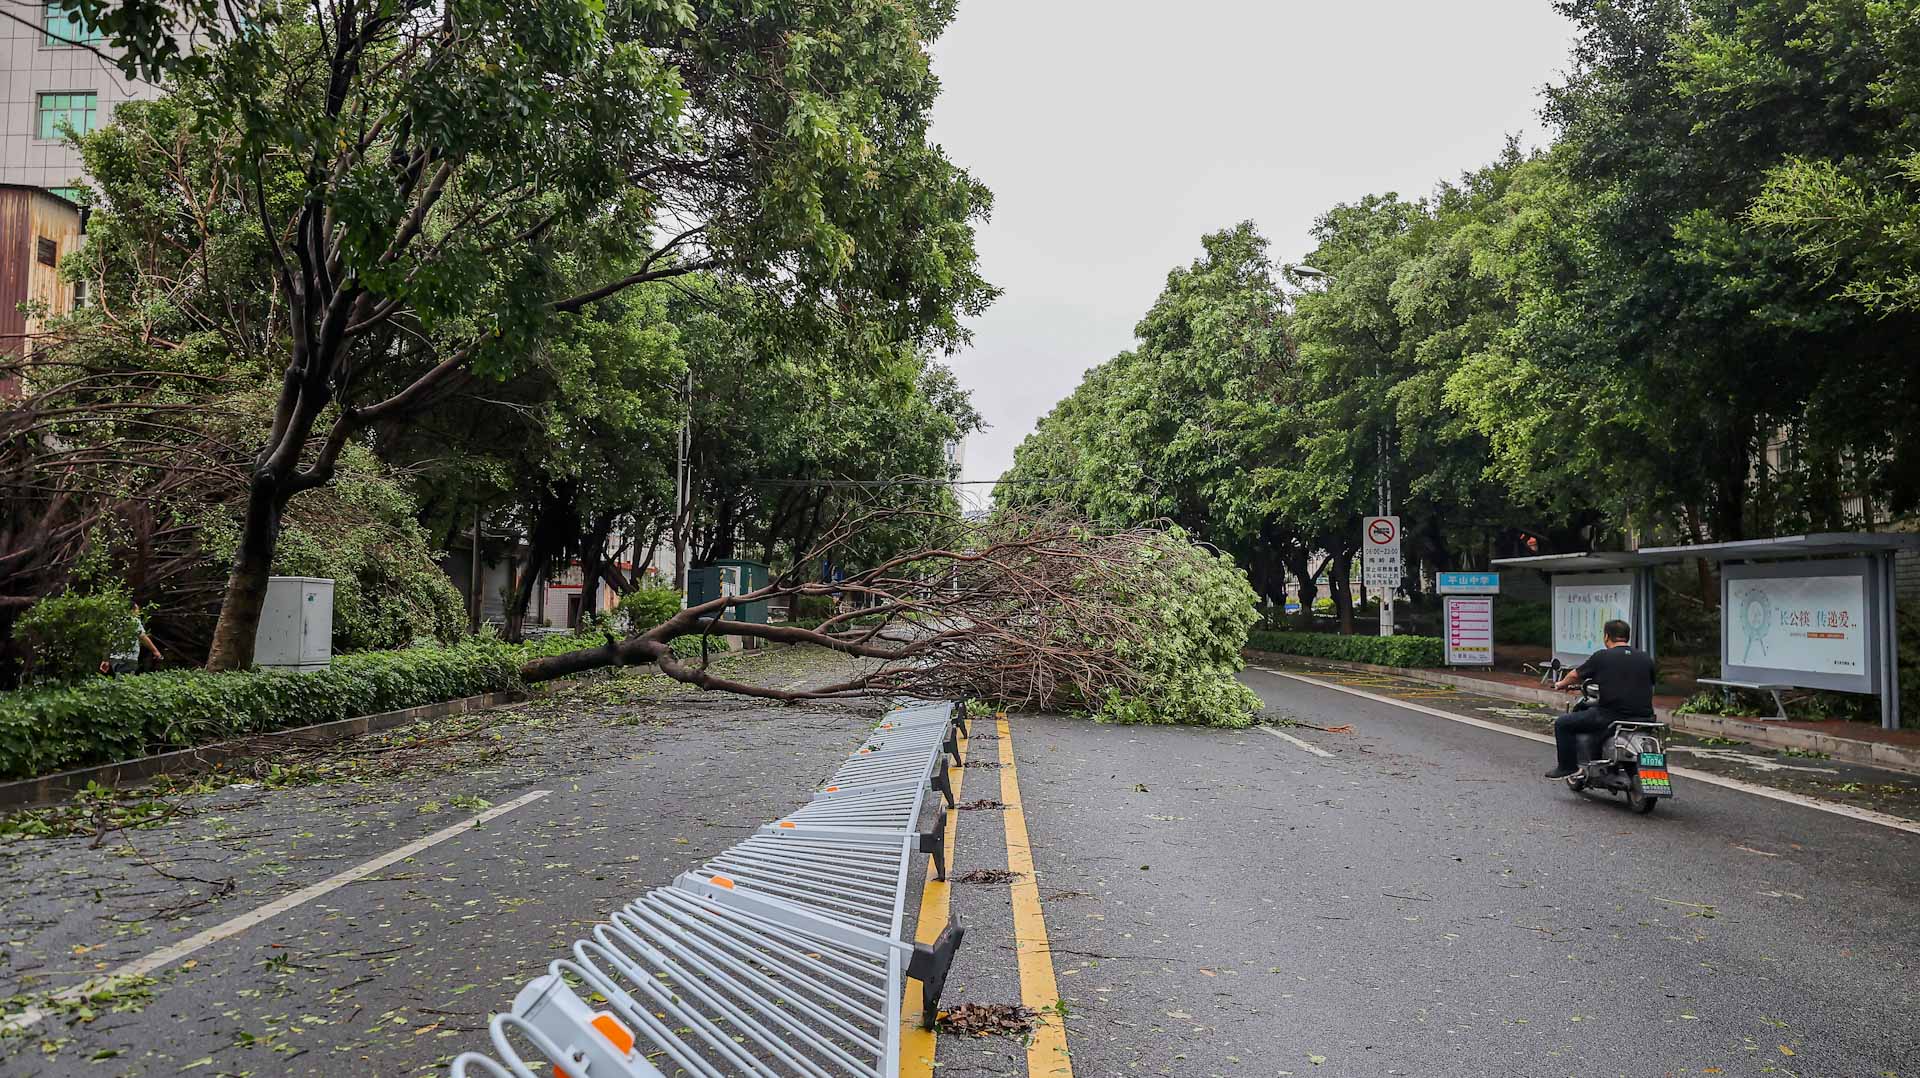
394,973
1419,901
1411,898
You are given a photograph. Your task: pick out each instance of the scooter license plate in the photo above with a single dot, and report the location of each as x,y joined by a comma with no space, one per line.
1654,780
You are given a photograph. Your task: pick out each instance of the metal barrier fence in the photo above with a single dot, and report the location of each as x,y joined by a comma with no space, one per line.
784,955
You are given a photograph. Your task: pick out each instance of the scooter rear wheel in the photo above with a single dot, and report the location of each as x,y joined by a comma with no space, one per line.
1640,803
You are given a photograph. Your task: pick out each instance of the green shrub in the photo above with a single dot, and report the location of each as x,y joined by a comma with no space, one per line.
1522,622
109,719
1410,651
360,532
1323,605
644,608
688,647
1704,702
813,608
1199,612
545,644
71,634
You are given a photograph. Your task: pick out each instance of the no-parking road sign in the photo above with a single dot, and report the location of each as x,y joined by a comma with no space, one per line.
1380,554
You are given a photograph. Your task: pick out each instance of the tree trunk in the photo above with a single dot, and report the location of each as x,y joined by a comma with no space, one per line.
1267,573
1339,578
522,598
1301,566
246,593
721,544
594,564
1728,503
593,557
642,564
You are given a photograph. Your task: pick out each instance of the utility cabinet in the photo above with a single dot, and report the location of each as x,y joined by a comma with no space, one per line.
730,577
296,624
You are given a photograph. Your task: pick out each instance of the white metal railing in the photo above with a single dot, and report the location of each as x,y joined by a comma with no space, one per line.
784,955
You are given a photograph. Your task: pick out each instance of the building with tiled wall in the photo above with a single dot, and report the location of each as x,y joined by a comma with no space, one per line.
51,84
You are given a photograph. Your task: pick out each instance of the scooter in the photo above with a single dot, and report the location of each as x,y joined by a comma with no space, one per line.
1629,758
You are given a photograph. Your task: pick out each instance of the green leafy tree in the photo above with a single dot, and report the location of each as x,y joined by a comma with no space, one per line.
143,406
1184,426
1714,327
423,174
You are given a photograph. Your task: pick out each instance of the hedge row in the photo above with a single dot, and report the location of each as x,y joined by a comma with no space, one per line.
1408,651
104,720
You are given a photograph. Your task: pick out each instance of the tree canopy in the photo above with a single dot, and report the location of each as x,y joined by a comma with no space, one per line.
1689,317
487,244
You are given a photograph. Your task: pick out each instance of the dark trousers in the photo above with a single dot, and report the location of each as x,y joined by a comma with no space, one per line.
1568,728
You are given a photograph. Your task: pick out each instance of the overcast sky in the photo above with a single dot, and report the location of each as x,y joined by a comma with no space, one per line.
1115,133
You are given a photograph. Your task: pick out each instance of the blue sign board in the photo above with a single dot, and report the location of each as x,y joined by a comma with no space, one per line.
1467,583
1293,606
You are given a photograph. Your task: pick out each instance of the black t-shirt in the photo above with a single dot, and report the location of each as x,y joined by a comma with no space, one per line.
1625,677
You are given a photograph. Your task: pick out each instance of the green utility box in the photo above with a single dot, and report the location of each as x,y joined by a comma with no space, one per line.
706,583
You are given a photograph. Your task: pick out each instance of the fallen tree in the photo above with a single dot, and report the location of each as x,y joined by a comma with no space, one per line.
1035,611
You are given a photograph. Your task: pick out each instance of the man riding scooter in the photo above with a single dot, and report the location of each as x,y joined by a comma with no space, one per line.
1624,675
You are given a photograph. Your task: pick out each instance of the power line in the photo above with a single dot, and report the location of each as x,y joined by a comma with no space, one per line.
869,483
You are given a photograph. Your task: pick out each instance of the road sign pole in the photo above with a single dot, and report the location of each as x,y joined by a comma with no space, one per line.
1380,563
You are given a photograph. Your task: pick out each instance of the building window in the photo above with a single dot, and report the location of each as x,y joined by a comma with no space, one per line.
62,31
47,251
58,112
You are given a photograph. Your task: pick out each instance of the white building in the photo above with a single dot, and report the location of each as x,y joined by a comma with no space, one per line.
52,84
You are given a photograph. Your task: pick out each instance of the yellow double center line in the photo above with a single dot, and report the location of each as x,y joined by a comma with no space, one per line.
1047,1051
1039,991
917,1043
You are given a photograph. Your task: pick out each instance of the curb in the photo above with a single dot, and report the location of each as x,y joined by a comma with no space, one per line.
1847,749
30,793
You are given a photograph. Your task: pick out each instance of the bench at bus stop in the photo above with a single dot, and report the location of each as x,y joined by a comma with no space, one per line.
1773,690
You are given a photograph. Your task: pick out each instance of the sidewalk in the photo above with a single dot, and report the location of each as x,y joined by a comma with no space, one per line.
1896,750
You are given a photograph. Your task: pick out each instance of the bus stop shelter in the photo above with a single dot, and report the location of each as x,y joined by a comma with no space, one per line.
1588,590
1812,611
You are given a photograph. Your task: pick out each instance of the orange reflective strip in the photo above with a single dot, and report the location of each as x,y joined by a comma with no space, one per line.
721,881
616,1034
786,823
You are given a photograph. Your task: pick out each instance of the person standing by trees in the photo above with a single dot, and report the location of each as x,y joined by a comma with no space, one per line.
125,659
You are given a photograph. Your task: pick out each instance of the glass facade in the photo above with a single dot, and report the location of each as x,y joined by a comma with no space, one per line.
62,31
58,112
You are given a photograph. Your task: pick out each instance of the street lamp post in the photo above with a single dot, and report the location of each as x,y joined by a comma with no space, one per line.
683,492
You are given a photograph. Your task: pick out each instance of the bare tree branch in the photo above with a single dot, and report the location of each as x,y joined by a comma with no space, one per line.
1027,609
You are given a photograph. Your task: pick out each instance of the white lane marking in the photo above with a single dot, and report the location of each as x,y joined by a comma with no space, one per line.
1837,809
1758,763
1513,712
166,956
1297,743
